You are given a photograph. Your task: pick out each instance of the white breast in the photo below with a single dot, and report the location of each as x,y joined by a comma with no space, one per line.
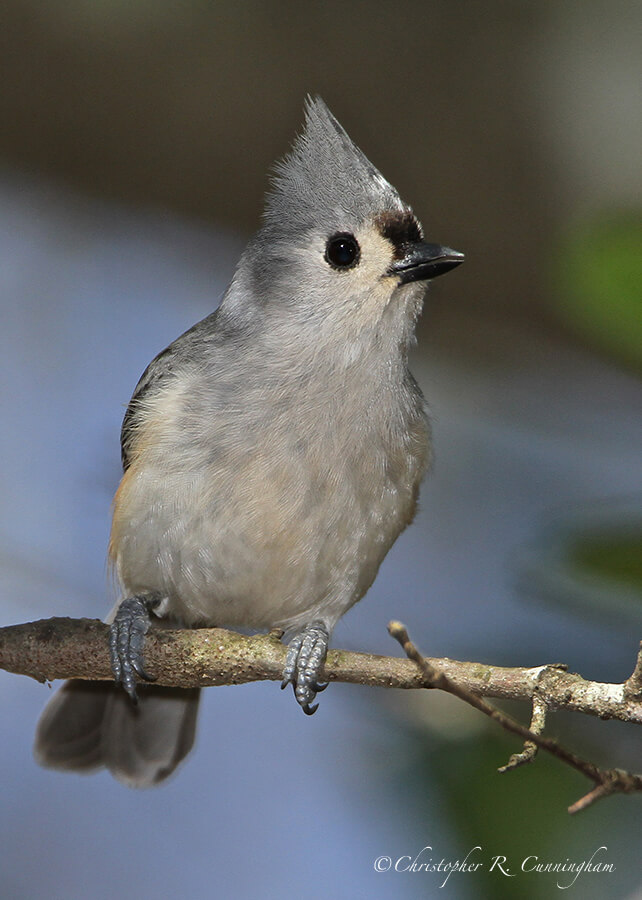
262,520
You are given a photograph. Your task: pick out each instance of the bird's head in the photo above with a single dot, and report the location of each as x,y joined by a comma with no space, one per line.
338,245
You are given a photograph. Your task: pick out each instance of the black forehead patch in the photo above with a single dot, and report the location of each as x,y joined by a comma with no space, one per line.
400,228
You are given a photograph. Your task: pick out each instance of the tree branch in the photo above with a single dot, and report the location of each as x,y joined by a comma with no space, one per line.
200,657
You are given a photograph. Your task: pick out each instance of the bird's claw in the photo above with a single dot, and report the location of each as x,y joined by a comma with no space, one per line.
126,639
305,658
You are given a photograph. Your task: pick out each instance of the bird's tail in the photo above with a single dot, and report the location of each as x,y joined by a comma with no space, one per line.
90,724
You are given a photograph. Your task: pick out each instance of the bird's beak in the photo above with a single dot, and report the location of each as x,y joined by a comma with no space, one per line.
424,261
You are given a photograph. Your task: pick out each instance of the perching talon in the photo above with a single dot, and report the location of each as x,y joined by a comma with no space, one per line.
126,639
304,662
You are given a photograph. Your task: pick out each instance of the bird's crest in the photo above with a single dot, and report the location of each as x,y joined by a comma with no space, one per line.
325,180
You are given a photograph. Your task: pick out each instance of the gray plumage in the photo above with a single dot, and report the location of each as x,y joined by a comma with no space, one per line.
90,724
273,453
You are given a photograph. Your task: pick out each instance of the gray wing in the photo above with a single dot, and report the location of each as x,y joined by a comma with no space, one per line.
157,372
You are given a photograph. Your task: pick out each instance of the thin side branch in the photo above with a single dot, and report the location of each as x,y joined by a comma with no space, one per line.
633,685
607,781
537,725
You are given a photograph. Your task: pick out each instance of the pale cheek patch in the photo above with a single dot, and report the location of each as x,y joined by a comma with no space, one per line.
377,254
353,300
368,282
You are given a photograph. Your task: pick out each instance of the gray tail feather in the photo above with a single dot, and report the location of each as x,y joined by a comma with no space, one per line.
90,724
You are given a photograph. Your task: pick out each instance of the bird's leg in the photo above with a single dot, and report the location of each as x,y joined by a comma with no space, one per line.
303,664
126,638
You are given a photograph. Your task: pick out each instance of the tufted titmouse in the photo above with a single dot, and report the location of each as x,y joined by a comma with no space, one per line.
271,455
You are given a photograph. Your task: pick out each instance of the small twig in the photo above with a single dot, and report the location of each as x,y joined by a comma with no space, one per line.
537,725
633,685
607,781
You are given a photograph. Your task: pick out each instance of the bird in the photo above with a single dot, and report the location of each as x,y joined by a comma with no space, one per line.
271,455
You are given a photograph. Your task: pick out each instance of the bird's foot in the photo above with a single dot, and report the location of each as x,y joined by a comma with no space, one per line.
126,638
303,664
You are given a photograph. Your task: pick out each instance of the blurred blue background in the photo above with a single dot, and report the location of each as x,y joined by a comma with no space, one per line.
133,156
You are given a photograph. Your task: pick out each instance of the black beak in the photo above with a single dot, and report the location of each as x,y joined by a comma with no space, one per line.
424,261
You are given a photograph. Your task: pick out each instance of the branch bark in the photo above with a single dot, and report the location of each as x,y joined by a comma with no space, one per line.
79,648
187,658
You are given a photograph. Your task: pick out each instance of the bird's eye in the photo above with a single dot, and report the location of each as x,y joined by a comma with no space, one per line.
342,251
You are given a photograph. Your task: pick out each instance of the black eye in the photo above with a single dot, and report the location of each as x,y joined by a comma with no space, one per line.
342,251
